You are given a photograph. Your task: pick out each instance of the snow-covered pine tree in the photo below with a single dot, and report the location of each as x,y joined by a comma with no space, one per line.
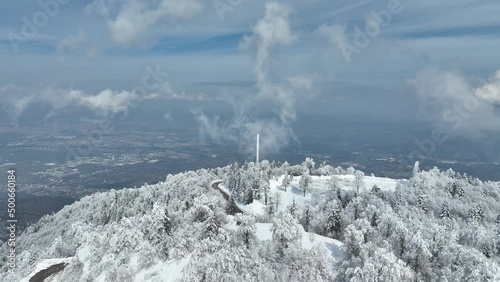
445,211
422,202
359,182
231,207
476,213
292,209
264,187
306,218
308,165
246,230
334,221
286,181
304,182
271,205
286,233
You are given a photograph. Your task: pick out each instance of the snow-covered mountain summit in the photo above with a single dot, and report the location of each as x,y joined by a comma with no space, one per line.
270,222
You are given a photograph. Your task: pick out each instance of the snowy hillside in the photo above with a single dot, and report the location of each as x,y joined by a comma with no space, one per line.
318,184
298,223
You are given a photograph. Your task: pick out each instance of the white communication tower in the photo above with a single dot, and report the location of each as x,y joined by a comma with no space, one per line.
257,150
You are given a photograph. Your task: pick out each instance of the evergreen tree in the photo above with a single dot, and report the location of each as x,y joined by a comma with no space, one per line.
167,224
422,202
271,206
334,221
374,219
265,187
231,207
308,165
304,182
306,218
249,194
359,180
246,230
476,213
285,233
292,209
286,181
445,211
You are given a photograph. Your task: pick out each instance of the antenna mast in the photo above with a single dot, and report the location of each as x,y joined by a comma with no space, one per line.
257,150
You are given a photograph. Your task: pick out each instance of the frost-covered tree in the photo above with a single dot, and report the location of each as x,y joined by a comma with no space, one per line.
292,209
286,233
359,182
354,208
350,170
334,183
334,221
270,208
277,200
286,181
422,202
306,218
304,182
417,254
476,213
386,236
445,211
231,207
246,230
375,189
264,187
309,165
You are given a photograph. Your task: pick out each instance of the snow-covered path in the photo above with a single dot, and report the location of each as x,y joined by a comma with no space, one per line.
47,270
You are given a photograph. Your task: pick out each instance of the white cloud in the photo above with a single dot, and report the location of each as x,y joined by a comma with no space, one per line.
242,130
272,31
136,18
101,7
106,102
73,41
490,92
168,117
450,101
334,33
269,32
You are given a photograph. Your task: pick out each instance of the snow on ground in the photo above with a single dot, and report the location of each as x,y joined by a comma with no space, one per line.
44,264
317,183
309,240
167,272
385,184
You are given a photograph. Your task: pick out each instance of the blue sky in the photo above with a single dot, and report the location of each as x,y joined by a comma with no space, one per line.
90,46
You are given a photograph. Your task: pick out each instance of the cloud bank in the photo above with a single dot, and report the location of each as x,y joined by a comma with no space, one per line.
135,19
106,102
490,92
451,101
270,32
